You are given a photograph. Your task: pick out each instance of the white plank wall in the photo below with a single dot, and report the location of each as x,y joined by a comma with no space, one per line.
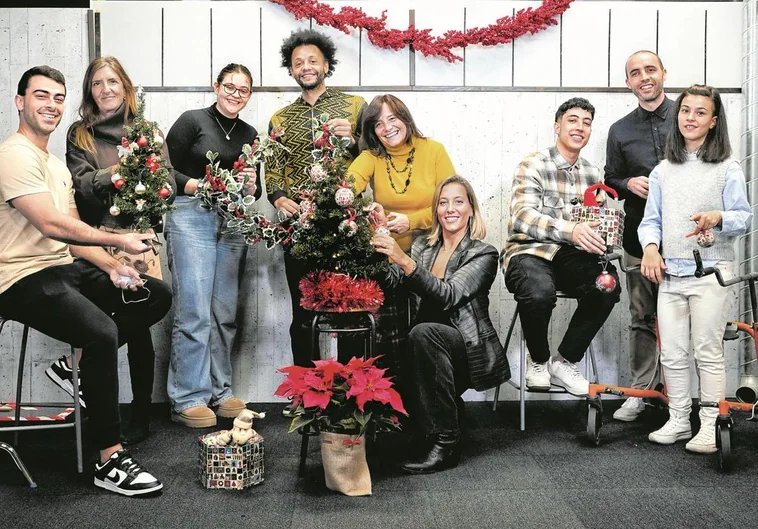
486,133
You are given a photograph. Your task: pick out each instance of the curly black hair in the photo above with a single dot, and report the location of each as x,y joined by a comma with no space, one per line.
305,37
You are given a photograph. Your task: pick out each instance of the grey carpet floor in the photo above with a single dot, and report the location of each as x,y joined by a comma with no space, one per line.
547,476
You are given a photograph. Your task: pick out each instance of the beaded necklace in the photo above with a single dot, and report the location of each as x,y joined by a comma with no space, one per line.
408,167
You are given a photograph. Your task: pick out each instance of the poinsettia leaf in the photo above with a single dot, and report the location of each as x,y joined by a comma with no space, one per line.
247,149
299,421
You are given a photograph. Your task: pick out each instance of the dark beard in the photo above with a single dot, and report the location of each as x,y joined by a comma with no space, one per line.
310,86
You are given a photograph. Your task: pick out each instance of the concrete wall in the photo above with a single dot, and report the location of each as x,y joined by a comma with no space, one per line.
486,132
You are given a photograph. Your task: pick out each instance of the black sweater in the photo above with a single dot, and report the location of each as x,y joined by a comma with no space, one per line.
195,133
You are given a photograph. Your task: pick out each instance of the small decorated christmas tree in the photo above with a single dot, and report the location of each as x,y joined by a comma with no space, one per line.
142,179
334,230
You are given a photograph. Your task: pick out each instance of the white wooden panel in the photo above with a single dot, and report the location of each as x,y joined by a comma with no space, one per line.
276,24
187,44
385,67
492,65
433,71
537,58
140,57
723,44
585,45
347,71
681,43
242,46
633,28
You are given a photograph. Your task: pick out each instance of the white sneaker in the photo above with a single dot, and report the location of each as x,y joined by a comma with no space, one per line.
677,428
630,409
566,375
537,375
704,442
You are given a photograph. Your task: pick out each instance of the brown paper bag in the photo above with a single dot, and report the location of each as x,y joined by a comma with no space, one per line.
345,467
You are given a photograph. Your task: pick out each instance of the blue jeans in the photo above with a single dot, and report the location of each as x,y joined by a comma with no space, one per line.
206,268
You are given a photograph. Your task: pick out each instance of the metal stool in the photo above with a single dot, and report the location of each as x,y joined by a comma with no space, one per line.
18,427
321,325
521,386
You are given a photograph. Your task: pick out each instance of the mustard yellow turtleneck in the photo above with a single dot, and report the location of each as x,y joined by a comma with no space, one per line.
431,165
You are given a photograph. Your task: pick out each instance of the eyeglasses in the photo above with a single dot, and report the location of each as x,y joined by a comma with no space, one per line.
243,91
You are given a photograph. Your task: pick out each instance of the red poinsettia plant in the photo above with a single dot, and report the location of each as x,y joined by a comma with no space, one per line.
342,398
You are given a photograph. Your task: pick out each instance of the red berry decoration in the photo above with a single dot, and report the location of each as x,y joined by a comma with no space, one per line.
142,141
164,193
119,183
605,282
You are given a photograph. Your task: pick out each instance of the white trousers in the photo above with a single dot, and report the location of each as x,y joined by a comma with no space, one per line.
693,308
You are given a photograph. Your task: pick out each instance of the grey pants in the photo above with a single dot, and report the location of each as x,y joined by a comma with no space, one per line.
643,298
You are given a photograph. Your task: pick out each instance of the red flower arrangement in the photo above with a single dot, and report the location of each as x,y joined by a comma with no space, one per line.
343,398
503,31
331,292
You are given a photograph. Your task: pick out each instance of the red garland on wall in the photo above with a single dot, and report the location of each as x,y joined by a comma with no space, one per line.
503,31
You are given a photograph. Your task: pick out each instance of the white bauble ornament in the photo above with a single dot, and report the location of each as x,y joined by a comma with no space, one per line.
706,238
344,196
115,210
115,177
318,173
382,230
140,188
348,227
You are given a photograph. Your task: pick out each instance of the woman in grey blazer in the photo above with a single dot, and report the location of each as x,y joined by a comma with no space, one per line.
452,345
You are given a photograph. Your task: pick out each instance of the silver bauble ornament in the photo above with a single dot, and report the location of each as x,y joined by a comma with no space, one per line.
140,188
115,210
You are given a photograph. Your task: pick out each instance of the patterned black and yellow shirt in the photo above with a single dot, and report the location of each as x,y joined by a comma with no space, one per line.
295,119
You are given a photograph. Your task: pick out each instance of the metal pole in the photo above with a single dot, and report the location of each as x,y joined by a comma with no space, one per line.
749,118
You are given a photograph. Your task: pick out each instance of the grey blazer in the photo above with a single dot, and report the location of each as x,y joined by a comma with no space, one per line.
464,295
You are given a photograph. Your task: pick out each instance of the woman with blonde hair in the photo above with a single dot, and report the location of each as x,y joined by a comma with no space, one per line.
452,345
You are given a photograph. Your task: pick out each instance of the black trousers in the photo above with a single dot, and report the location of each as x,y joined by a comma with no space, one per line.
437,358
533,282
78,304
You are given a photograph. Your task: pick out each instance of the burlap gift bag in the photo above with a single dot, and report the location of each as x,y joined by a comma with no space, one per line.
345,467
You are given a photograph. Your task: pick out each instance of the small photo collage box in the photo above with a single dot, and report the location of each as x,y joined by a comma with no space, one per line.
231,467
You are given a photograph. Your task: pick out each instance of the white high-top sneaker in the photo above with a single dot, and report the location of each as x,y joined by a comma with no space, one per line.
537,375
677,428
566,374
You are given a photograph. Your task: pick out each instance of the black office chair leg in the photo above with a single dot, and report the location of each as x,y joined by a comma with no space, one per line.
20,380
77,412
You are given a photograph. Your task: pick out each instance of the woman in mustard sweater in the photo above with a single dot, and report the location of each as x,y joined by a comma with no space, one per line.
404,168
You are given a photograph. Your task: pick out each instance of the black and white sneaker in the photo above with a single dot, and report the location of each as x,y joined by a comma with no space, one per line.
63,376
123,475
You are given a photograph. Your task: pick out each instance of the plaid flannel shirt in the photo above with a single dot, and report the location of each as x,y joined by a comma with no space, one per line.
545,186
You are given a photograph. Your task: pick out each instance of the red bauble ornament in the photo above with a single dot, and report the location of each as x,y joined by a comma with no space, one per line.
164,193
142,141
119,183
605,282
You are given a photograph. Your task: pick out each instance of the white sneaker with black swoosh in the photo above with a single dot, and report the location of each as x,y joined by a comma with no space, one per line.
123,475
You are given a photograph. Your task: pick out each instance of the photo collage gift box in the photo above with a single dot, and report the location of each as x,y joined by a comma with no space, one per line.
611,220
231,467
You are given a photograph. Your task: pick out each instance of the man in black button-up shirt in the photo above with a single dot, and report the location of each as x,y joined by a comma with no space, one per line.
636,144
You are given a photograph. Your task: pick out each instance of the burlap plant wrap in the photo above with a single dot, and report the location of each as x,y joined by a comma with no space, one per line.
345,467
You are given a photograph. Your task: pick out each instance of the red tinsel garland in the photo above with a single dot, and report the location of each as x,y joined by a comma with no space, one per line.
503,31
330,292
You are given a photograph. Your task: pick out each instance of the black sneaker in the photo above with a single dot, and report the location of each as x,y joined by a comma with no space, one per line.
63,376
123,475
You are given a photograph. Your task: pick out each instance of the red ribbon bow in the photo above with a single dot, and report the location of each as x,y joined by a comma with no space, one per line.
351,442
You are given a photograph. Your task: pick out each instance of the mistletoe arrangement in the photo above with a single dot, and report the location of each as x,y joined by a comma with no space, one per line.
342,398
503,31
142,178
333,231
223,190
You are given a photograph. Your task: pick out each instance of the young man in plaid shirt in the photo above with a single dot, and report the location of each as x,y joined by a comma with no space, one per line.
545,251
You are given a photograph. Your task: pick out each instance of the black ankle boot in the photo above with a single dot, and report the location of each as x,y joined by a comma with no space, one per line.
138,428
444,453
